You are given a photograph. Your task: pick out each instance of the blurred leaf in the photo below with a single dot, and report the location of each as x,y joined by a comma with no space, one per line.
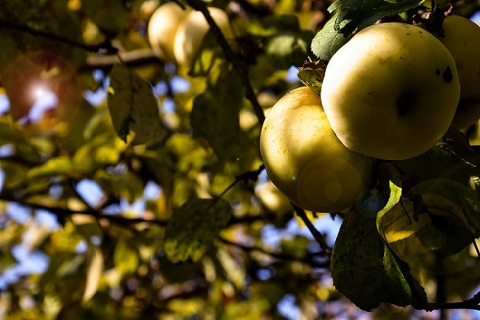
193,227
6,260
209,56
126,184
133,107
47,16
367,272
94,271
10,132
215,116
233,273
126,258
272,24
110,16
288,49
58,166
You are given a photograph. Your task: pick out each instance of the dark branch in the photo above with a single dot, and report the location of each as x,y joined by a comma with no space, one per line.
316,234
472,304
308,259
106,46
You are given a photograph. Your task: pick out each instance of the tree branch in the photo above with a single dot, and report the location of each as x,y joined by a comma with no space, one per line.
134,58
107,46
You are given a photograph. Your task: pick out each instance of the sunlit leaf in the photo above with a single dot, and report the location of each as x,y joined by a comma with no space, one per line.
328,40
233,273
133,107
94,271
54,167
193,228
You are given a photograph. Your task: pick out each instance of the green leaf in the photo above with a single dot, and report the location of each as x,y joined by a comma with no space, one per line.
193,228
328,40
462,196
451,158
133,107
215,113
365,270
351,17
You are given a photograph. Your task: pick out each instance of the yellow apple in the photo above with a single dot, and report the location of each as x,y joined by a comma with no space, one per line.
391,92
304,158
462,39
162,27
192,30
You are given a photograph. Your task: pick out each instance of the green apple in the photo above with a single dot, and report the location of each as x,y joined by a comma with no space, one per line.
304,158
192,30
162,27
391,92
462,38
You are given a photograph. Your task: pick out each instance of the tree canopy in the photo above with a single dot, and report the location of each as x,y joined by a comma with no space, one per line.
133,187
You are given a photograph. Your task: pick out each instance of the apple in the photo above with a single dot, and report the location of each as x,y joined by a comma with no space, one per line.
462,38
162,27
467,114
192,30
391,92
306,161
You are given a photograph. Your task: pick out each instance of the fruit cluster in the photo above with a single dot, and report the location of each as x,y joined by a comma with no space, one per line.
391,92
176,33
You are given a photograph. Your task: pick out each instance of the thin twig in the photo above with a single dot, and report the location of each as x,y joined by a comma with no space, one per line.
308,259
315,233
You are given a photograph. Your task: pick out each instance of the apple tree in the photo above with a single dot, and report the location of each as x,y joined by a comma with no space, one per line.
181,160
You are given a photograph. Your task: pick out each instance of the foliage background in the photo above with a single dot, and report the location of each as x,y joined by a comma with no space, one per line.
109,211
